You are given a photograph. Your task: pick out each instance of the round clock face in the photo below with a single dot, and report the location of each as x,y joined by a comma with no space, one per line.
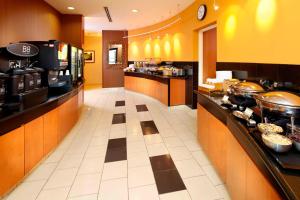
202,12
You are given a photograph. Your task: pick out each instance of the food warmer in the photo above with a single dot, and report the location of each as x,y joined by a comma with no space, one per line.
243,93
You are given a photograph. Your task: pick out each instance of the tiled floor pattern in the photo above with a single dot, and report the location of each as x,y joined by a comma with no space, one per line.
115,152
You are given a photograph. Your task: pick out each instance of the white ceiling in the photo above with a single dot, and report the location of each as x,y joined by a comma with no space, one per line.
150,12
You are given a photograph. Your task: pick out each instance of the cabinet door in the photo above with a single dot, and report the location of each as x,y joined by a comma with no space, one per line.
257,186
34,143
12,159
50,131
217,145
236,169
177,92
80,99
164,96
203,128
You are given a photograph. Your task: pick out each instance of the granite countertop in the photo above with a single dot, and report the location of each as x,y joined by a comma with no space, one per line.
140,74
14,119
286,181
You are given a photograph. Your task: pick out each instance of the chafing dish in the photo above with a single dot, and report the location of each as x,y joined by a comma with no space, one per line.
247,89
284,102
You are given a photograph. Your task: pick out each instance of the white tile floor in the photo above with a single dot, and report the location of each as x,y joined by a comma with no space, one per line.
76,169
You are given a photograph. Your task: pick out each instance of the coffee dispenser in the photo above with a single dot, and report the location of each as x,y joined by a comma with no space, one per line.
21,92
53,58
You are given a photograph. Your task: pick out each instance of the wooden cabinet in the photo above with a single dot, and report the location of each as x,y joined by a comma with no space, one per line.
11,159
257,186
22,149
241,176
177,92
80,99
50,131
34,143
148,87
203,129
218,134
68,115
236,169
211,134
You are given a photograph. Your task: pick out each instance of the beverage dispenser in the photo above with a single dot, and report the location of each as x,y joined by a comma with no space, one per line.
19,83
53,58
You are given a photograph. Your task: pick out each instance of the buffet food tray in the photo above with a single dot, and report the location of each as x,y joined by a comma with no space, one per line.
287,160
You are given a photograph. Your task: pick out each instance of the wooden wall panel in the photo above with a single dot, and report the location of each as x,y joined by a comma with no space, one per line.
34,143
12,159
28,20
73,30
50,131
209,53
113,75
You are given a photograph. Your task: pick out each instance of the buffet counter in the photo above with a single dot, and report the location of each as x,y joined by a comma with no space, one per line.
244,165
169,90
28,136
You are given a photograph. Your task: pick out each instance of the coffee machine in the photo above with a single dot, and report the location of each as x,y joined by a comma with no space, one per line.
53,58
20,77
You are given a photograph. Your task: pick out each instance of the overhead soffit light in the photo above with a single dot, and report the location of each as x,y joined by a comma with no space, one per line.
134,10
71,8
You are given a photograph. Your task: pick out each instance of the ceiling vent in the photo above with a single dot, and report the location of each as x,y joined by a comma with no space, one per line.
107,14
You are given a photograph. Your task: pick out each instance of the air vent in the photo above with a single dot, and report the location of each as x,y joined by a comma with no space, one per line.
107,14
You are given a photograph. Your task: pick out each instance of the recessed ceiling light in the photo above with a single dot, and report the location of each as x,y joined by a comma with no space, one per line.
134,10
71,8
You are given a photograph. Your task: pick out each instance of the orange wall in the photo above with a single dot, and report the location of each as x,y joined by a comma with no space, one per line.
265,31
262,31
176,43
93,71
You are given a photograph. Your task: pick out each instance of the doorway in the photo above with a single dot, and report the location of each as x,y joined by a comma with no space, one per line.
207,53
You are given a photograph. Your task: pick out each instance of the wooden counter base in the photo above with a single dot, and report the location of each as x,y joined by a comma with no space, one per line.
23,148
171,92
236,169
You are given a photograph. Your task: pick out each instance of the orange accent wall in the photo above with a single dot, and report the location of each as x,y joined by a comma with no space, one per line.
93,71
263,31
176,43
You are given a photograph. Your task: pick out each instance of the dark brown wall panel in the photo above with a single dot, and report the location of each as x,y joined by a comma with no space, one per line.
209,53
28,20
72,29
113,75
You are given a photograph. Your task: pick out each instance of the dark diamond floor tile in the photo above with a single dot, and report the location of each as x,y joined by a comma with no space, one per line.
149,127
141,108
116,154
119,118
116,150
116,143
120,103
163,162
168,181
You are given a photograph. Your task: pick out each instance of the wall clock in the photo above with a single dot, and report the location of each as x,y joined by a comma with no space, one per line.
202,12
